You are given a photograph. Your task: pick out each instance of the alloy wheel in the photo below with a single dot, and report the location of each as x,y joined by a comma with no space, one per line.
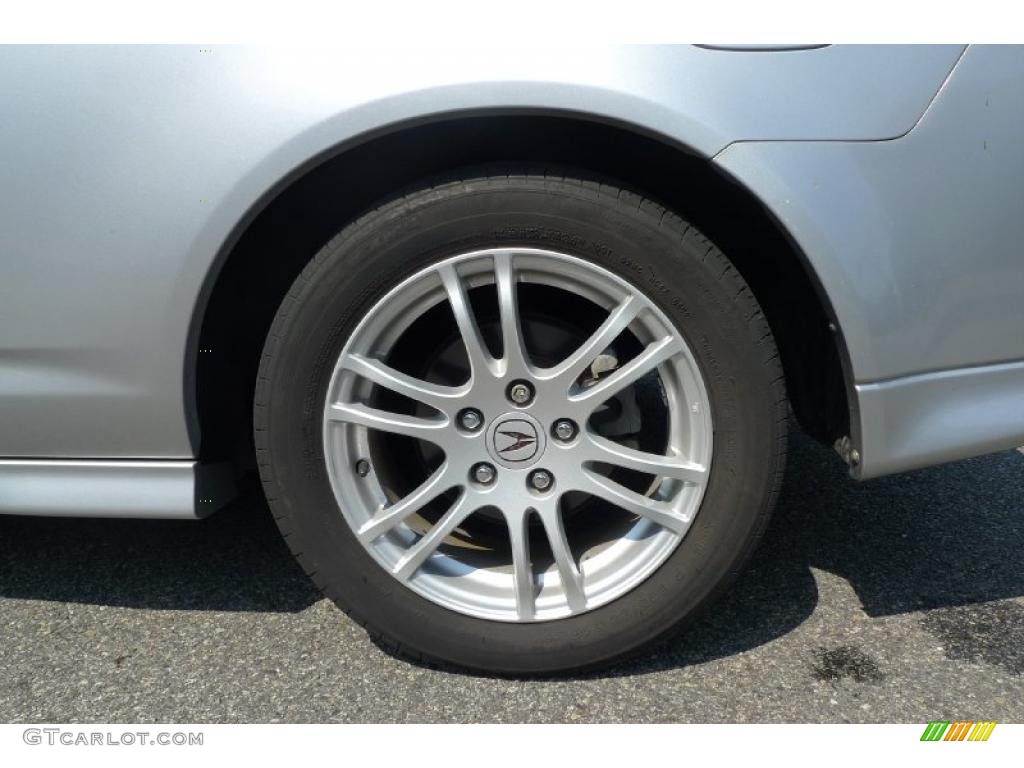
502,483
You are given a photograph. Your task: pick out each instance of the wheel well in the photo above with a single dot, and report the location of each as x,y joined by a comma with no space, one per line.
278,242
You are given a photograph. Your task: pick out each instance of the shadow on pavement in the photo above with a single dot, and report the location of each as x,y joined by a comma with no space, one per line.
232,561
946,541
943,540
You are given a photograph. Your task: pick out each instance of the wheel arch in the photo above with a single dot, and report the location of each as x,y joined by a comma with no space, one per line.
290,221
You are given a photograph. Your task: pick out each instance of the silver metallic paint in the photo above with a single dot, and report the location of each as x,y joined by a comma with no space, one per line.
919,244
110,152
911,216
930,418
129,489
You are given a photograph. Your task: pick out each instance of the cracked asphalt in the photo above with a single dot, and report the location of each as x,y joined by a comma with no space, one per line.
896,600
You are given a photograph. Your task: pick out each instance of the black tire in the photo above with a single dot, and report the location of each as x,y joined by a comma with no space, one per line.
684,273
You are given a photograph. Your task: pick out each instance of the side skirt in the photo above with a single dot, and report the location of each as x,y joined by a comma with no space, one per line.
930,418
184,490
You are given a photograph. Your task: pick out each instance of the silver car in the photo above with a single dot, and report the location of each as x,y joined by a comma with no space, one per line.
512,341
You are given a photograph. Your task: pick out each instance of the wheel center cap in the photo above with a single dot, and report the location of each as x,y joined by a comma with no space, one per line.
515,440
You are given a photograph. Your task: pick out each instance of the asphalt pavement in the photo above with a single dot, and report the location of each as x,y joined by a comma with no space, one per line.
896,600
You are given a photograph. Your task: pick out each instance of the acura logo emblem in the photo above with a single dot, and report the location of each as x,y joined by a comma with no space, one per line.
521,440
515,440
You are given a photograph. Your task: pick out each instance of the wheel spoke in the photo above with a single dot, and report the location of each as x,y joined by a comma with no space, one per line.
388,517
434,395
522,567
653,355
514,354
480,358
419,552
431,429
656,511
570,369
610,452
572,579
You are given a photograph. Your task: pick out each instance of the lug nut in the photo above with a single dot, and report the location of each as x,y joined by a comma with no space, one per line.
564,430
471,419
484,474
520,392
541,479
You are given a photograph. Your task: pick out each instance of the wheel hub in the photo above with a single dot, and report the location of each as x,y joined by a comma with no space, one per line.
515,440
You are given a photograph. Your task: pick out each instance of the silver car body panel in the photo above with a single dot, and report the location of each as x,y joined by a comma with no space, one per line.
79,487
915,421
126,171
919,244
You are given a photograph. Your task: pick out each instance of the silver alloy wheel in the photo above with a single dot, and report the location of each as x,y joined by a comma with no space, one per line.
534,471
